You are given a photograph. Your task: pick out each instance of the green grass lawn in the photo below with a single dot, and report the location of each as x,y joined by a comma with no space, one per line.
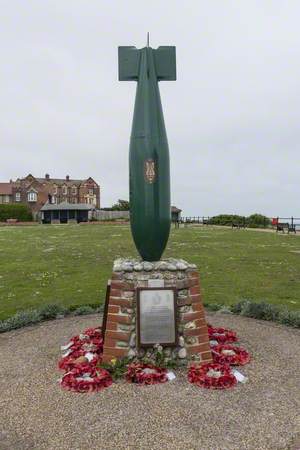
70,264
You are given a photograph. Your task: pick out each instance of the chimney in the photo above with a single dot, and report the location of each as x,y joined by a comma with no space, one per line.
67,178
47,176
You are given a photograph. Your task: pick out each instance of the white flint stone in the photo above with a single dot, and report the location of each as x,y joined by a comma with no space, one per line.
132,340
127,267
172,267
182,353
148,266
138,267
131,353
181,266
181,341
190,325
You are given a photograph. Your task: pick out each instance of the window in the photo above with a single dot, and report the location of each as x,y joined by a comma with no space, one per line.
53,199
55,189
18,196
74,190
64,190
31,196
91,191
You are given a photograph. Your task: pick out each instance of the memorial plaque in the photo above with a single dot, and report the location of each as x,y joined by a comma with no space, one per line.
156,308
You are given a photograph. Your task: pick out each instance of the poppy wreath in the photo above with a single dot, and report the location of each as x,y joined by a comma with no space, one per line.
90,341
230,354
212,376
221,335
85,378
146,374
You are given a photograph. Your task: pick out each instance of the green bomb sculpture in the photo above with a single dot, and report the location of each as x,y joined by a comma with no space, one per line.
149,166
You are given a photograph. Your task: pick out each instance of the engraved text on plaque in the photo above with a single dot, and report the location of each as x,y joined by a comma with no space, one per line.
156,316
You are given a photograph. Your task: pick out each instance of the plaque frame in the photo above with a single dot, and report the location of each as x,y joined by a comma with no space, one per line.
138,310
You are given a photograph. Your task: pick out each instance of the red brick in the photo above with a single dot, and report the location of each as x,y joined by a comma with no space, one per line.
193,282
206,356
119,319
198,307
107,358
200,323
192,274
120,284
109,342
196,298
115,293
111,326
200,348
115,352
196,332
113,309
121,302
116,276
195,290
120,335
190,316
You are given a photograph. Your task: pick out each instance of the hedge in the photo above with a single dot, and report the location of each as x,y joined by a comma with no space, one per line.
253,221
20,212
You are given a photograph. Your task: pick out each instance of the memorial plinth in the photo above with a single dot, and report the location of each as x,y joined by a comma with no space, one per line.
155,303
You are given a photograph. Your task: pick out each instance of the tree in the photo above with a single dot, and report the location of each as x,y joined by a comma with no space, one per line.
121,205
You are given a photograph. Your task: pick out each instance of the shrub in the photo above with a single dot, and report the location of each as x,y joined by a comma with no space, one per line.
226,219
261,310
15,211
257,221
82,310
20,319
291,318
51,311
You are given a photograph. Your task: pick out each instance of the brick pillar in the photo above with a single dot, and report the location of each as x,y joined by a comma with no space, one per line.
120,333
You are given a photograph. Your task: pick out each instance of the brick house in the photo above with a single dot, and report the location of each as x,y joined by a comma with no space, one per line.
35,192
6,192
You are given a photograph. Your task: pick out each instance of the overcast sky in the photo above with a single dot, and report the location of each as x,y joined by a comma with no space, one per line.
232,116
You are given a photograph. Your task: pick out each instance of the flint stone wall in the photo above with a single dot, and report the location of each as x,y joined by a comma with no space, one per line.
120,335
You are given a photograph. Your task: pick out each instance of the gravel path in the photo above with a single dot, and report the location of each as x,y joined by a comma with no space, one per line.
35,413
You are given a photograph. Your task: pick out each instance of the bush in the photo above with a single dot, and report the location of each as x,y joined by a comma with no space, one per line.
51,311
72,308
226,219
15,211
253,221
257,221
20,319
291,318
262,310
82,310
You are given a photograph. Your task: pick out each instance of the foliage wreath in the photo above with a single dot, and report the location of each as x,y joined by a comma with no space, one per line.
230,354
85,378
221,335
212,376
90,341
146,374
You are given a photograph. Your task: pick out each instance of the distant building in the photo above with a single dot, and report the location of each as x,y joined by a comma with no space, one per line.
6,192
175,214
67,212
36,192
